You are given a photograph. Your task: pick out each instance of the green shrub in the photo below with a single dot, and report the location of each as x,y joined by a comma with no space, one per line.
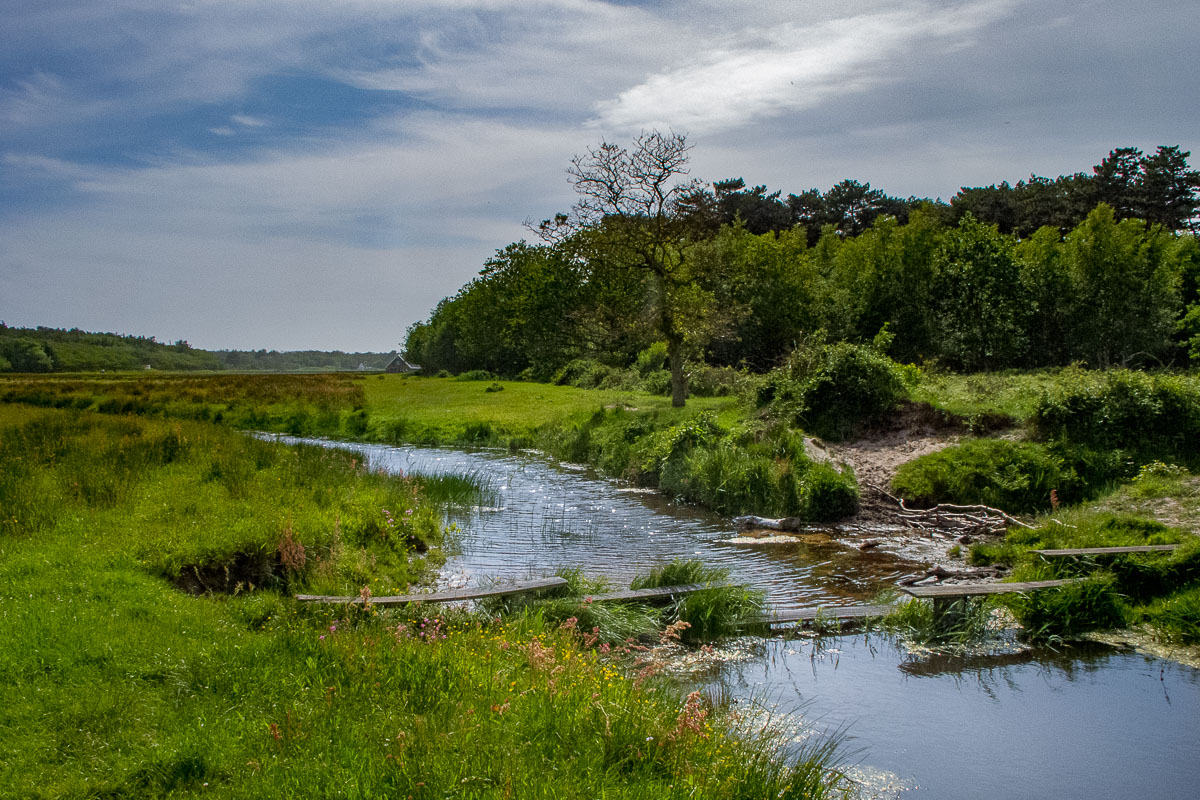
652,359
1153,416
1014,476
584,373
828,494
833,390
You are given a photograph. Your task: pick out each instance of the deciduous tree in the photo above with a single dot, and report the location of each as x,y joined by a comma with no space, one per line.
631,216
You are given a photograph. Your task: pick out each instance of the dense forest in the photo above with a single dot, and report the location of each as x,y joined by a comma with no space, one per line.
1101,268
45,349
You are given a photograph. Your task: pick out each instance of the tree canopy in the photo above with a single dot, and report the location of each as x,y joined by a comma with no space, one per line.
1101,267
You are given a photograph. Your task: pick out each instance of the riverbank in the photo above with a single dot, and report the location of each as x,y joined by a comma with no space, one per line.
149,646
1041,443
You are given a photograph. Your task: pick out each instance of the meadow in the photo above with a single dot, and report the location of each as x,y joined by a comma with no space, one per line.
149,646
1101,451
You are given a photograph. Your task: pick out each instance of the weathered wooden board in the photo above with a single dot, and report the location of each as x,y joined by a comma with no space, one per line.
781,616
1098,551
440,597
971,590
642,595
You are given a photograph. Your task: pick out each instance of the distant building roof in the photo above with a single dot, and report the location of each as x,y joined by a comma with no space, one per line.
399,364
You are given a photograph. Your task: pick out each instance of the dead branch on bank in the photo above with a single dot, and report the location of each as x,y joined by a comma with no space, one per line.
949,517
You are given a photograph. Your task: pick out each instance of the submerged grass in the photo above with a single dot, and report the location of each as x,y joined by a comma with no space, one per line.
113,683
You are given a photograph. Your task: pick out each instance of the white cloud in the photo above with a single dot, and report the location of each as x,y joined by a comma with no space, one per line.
342,245
247,121
790,68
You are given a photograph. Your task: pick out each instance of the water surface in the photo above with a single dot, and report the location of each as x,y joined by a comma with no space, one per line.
1086,721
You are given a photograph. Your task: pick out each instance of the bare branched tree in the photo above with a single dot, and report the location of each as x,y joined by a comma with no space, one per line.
630,207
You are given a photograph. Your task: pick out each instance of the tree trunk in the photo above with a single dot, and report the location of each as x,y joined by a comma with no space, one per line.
678,378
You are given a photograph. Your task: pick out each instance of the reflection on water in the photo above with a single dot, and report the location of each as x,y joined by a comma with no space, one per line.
1088,721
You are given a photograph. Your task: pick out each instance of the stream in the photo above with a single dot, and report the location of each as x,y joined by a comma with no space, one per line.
1080,721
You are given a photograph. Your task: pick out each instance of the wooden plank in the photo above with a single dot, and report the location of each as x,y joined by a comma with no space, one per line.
440,597
638,595
1097,551
782,616
972,590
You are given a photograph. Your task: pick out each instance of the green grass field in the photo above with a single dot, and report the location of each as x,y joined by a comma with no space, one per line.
439,410
149,646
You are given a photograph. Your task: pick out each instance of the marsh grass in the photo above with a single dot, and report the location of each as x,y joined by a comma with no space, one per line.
113,683
719,609
963,622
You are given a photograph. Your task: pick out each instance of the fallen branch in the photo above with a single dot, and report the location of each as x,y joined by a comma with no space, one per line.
948,515
941,574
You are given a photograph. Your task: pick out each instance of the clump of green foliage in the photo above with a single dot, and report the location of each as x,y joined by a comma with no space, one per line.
833,390
1066,611
1119,588
1143,415
1017,477
965,622
760,469
720,609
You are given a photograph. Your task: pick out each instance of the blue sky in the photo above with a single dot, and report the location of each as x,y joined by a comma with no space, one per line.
296,174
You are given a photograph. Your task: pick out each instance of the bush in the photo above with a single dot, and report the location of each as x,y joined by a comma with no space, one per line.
1014,476
829,494
834,390
584,373
1153,416
652,359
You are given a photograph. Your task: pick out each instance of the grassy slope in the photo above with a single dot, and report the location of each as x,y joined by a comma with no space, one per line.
115,684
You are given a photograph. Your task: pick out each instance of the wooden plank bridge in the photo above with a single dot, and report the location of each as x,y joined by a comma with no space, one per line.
1105,551
439,597
976,589
816,615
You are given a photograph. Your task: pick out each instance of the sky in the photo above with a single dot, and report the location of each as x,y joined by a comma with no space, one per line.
303,174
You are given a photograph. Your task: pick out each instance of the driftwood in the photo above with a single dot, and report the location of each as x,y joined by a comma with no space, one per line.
789,524
982,519
941,574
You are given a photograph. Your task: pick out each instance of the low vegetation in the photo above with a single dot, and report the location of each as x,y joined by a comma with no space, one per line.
119,681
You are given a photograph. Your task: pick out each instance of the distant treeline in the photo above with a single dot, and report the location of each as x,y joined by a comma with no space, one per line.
43,349
1100,268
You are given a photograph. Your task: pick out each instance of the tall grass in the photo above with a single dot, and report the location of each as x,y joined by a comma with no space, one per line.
113,683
